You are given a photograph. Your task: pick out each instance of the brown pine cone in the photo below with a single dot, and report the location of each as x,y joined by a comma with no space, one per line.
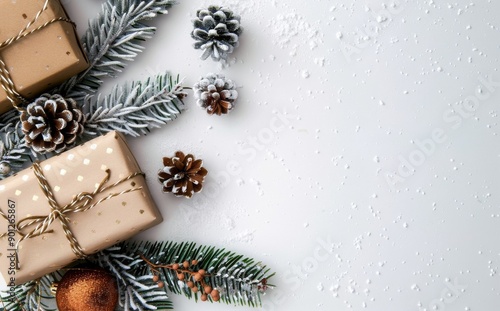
51,123
182,175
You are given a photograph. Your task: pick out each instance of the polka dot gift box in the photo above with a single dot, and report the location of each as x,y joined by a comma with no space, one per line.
38,57
70,206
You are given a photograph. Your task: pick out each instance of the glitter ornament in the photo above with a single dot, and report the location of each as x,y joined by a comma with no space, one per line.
87,289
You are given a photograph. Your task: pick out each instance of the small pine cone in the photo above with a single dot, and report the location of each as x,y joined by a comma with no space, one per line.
215,93
182,175
216,31
51,123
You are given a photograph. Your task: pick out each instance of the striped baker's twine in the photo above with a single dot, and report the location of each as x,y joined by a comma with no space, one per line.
82,202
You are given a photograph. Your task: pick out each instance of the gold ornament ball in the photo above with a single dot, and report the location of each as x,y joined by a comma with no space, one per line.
87,289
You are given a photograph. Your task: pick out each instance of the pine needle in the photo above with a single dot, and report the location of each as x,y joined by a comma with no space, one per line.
112,39
135,108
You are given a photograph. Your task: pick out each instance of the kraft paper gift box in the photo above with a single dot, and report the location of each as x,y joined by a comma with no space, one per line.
79,171
43,59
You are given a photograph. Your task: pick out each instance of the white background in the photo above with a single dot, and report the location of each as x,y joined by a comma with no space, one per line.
362,84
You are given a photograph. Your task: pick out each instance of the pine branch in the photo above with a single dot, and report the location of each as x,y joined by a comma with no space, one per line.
112,39
136,292
33,295
135,108
8,120
132,109
237,279
13,150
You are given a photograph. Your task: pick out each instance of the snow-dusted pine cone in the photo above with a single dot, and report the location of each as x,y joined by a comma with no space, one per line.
182,175
215,93
51,123
216,31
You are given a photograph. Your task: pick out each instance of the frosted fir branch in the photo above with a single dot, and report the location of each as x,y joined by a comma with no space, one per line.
13,150
112,39
8,120
135,108
239,280
31,296
138,293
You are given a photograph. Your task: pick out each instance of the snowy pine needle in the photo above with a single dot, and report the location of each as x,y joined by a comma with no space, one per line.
112,39
135,108
239,279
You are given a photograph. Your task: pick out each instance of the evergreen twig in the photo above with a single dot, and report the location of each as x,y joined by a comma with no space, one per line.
239,280
135,108
13,150
8,120
31,296
113,38
136,292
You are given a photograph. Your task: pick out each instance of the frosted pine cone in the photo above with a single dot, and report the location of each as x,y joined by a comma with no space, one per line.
216,31
51,123
182,175
215,93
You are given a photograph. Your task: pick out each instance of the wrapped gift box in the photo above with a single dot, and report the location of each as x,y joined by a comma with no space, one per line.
79,170
42,59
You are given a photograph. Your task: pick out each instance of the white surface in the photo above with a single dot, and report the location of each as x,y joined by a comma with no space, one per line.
428,242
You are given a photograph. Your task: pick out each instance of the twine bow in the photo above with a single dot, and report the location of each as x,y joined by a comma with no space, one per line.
82,202
5,78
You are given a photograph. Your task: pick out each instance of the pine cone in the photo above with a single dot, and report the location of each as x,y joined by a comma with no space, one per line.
216,31
215,93
51,123
182,175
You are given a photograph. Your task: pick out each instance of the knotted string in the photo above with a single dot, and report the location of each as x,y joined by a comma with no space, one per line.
82,202
5,78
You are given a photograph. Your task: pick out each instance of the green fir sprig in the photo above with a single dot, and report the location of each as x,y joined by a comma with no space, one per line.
239,280
144,277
